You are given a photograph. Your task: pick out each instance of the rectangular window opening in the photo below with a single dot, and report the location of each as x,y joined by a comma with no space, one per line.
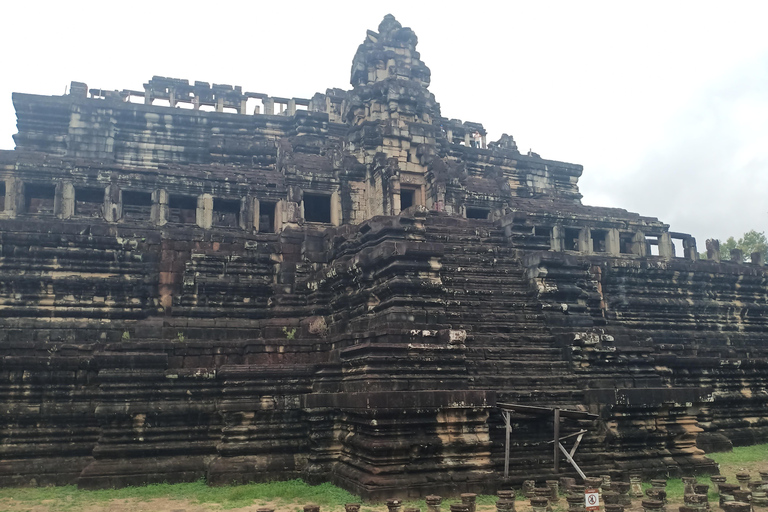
542,231
478,213
89,202
226,212
317,208
598,240
254,106
182,209
266,217
207,108
678,250
406,198
136,205
652,245
571,239
626,243
2,196
39,199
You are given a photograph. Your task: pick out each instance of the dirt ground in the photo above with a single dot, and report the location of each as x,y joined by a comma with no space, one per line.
167,505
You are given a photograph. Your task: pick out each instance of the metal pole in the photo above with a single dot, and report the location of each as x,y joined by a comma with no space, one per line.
508,423
557,440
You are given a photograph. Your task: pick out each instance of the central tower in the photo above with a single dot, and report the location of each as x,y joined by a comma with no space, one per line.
392,118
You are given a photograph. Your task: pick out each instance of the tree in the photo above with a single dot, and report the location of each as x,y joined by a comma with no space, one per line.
752,241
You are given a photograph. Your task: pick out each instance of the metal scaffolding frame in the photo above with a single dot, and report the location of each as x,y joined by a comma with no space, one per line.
557,413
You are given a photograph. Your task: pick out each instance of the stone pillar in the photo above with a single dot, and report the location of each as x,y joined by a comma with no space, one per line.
433,503
466,139
688,483
736,506
291,107
336,208
196,102
528,487
701,489
484,141
585,241
695,501
716,481
622,489
538,504
742,477
253,218
737,255
636,485
593,483
556,238
159,210
726,492
610,497
147,96
566,483
689,249
639,245
220,104
506,501
245,219
469,499
742,495
713,250
14,196
204,212
172,98
244,106
269,106
666,249
613,243
64,200
575,502
113,204
653,506
756,257
393,505
657,493
554,490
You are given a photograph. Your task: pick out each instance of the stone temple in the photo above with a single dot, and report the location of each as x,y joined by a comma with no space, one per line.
202,282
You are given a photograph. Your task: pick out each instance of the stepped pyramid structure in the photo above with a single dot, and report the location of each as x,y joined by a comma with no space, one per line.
202,282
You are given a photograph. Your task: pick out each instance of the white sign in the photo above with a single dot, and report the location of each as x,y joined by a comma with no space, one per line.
592,499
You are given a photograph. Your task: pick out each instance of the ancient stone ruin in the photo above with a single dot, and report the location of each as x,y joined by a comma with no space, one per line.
202,282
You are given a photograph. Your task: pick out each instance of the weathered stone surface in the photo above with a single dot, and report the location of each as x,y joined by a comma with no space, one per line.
342,288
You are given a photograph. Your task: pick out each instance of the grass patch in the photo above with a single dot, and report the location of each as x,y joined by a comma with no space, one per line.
71,498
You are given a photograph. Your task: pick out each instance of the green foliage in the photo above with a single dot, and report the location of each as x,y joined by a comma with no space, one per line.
752,241
126,335
180,336
290,334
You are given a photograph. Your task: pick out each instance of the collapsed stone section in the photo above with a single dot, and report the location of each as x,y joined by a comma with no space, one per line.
342,288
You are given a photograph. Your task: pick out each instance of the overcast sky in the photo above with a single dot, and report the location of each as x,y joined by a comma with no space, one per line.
665,104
